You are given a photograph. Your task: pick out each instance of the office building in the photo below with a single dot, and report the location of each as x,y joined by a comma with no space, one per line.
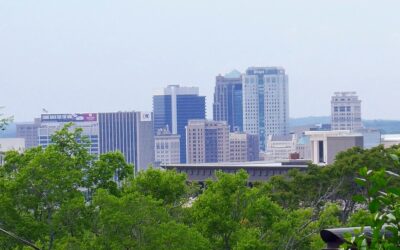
325,145
228,100
280,147
131,133
166,147
207,141
50,123
174,108
29,131
346,111
265,102
243,147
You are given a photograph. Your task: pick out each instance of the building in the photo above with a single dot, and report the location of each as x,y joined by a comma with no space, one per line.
257,171
346,111
174,108
29,131
129,132
228,100
325,145
167,147
280,147
265,102
7,144
207,141
50,123
372,137
243,147
303,147
390,140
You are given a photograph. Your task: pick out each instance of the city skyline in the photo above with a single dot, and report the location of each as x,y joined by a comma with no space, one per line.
74,55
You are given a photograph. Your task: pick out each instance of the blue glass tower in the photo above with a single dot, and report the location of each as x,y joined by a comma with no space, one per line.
174,108
228,100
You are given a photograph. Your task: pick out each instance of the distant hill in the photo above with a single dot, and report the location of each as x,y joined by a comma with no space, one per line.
385,126
10,131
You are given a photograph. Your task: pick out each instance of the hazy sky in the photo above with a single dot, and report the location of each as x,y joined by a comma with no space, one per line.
88,56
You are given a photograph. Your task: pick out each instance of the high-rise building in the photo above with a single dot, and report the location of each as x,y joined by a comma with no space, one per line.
207,141
228,100
243,147
265,102
29,131
131,133
167,147
174,108
51,123
346,111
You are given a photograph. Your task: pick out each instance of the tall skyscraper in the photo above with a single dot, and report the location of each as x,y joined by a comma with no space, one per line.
346,111
29,131
207,141
174,108
131,133
228,100
265,102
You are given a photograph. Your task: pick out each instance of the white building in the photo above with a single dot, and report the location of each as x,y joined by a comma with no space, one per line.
346,111
279,147
167,147
265,102
390,140
8,144
325,145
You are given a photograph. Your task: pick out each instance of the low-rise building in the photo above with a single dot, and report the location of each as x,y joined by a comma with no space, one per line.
389,140
279,147
8,144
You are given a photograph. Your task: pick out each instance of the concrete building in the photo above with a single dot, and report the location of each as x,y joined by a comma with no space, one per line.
228,100
389,140
50,123
372,137
265,102
7,144
131,133
279,147
29,131
325,145
166,147
243,147
174,107
303,147
257,171
346,111
207,141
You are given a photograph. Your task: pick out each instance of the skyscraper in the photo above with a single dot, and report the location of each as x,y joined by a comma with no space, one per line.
174,108
131,133
243,147
29,131
207,141
346,111
228,101
265,102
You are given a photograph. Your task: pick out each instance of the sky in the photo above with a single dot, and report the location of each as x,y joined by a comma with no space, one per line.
76,56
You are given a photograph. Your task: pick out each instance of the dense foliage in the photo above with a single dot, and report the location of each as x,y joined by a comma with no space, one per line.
60,197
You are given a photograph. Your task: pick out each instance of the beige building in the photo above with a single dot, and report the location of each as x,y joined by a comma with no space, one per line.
346,111
207,141
279,147
325,145
167,147
243,147
8,144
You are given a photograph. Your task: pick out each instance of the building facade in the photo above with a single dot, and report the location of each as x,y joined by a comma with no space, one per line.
29,131
174,108
131,133
51,123
243,147
265,102
228,100
325,145
346,111
167,147
207,141
280,147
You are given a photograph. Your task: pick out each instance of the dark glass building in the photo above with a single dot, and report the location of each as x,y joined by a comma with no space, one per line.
174,108
228,100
